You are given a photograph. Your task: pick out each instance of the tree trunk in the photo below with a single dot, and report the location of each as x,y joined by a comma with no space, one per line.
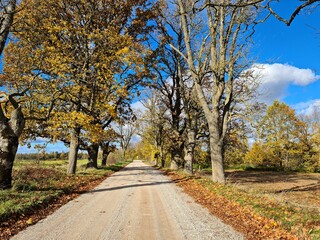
156,156
162,157
106,150
73,152
123,154
6,22
93,156
8,149
216,153
189,153
10,131
157,159
174,163
105,155
176,160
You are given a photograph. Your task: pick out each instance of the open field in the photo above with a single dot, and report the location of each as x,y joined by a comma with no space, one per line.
298,189
290,199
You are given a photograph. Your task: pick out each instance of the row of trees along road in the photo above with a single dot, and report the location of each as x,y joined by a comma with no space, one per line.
280,138
72,68
203,89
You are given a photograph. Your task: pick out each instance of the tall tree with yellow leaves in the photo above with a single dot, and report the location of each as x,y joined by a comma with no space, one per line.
26,98
280,130
91,53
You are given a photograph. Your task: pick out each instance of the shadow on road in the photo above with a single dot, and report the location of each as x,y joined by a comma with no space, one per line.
129,186
132,171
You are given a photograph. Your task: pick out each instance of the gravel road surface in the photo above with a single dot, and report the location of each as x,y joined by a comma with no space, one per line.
136,203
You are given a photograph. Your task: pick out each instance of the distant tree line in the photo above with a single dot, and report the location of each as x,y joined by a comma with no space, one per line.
48,156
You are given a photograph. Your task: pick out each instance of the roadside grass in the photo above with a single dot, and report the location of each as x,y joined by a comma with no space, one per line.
269,217
35,185
253,167
302,222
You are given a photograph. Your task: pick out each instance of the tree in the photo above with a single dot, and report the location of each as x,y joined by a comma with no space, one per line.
125,132
92,56
175,87
280,130
11,126
246,111
169,82
41,151
7,11
257,154
310,140
16,112
153,128
217,61
107,148
285,140
21,85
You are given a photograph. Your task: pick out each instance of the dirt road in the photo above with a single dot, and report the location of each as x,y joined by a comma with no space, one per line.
136,203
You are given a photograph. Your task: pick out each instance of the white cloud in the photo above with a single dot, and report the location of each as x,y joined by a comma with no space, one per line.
307,108
138,106
276,78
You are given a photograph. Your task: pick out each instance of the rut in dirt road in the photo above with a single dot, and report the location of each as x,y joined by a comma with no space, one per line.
138,203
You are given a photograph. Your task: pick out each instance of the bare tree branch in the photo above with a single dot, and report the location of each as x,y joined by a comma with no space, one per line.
294,14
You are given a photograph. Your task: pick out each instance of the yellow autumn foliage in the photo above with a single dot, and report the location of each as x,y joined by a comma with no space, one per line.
78,55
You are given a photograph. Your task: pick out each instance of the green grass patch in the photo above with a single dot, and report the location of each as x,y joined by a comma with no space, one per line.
20,203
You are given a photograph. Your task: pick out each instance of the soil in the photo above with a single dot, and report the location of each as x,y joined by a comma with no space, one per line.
300,189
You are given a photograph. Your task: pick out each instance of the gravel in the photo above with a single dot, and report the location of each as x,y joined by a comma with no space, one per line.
138,203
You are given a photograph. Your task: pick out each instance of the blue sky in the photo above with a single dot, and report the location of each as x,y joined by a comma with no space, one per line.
290,59
51,147
297,46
